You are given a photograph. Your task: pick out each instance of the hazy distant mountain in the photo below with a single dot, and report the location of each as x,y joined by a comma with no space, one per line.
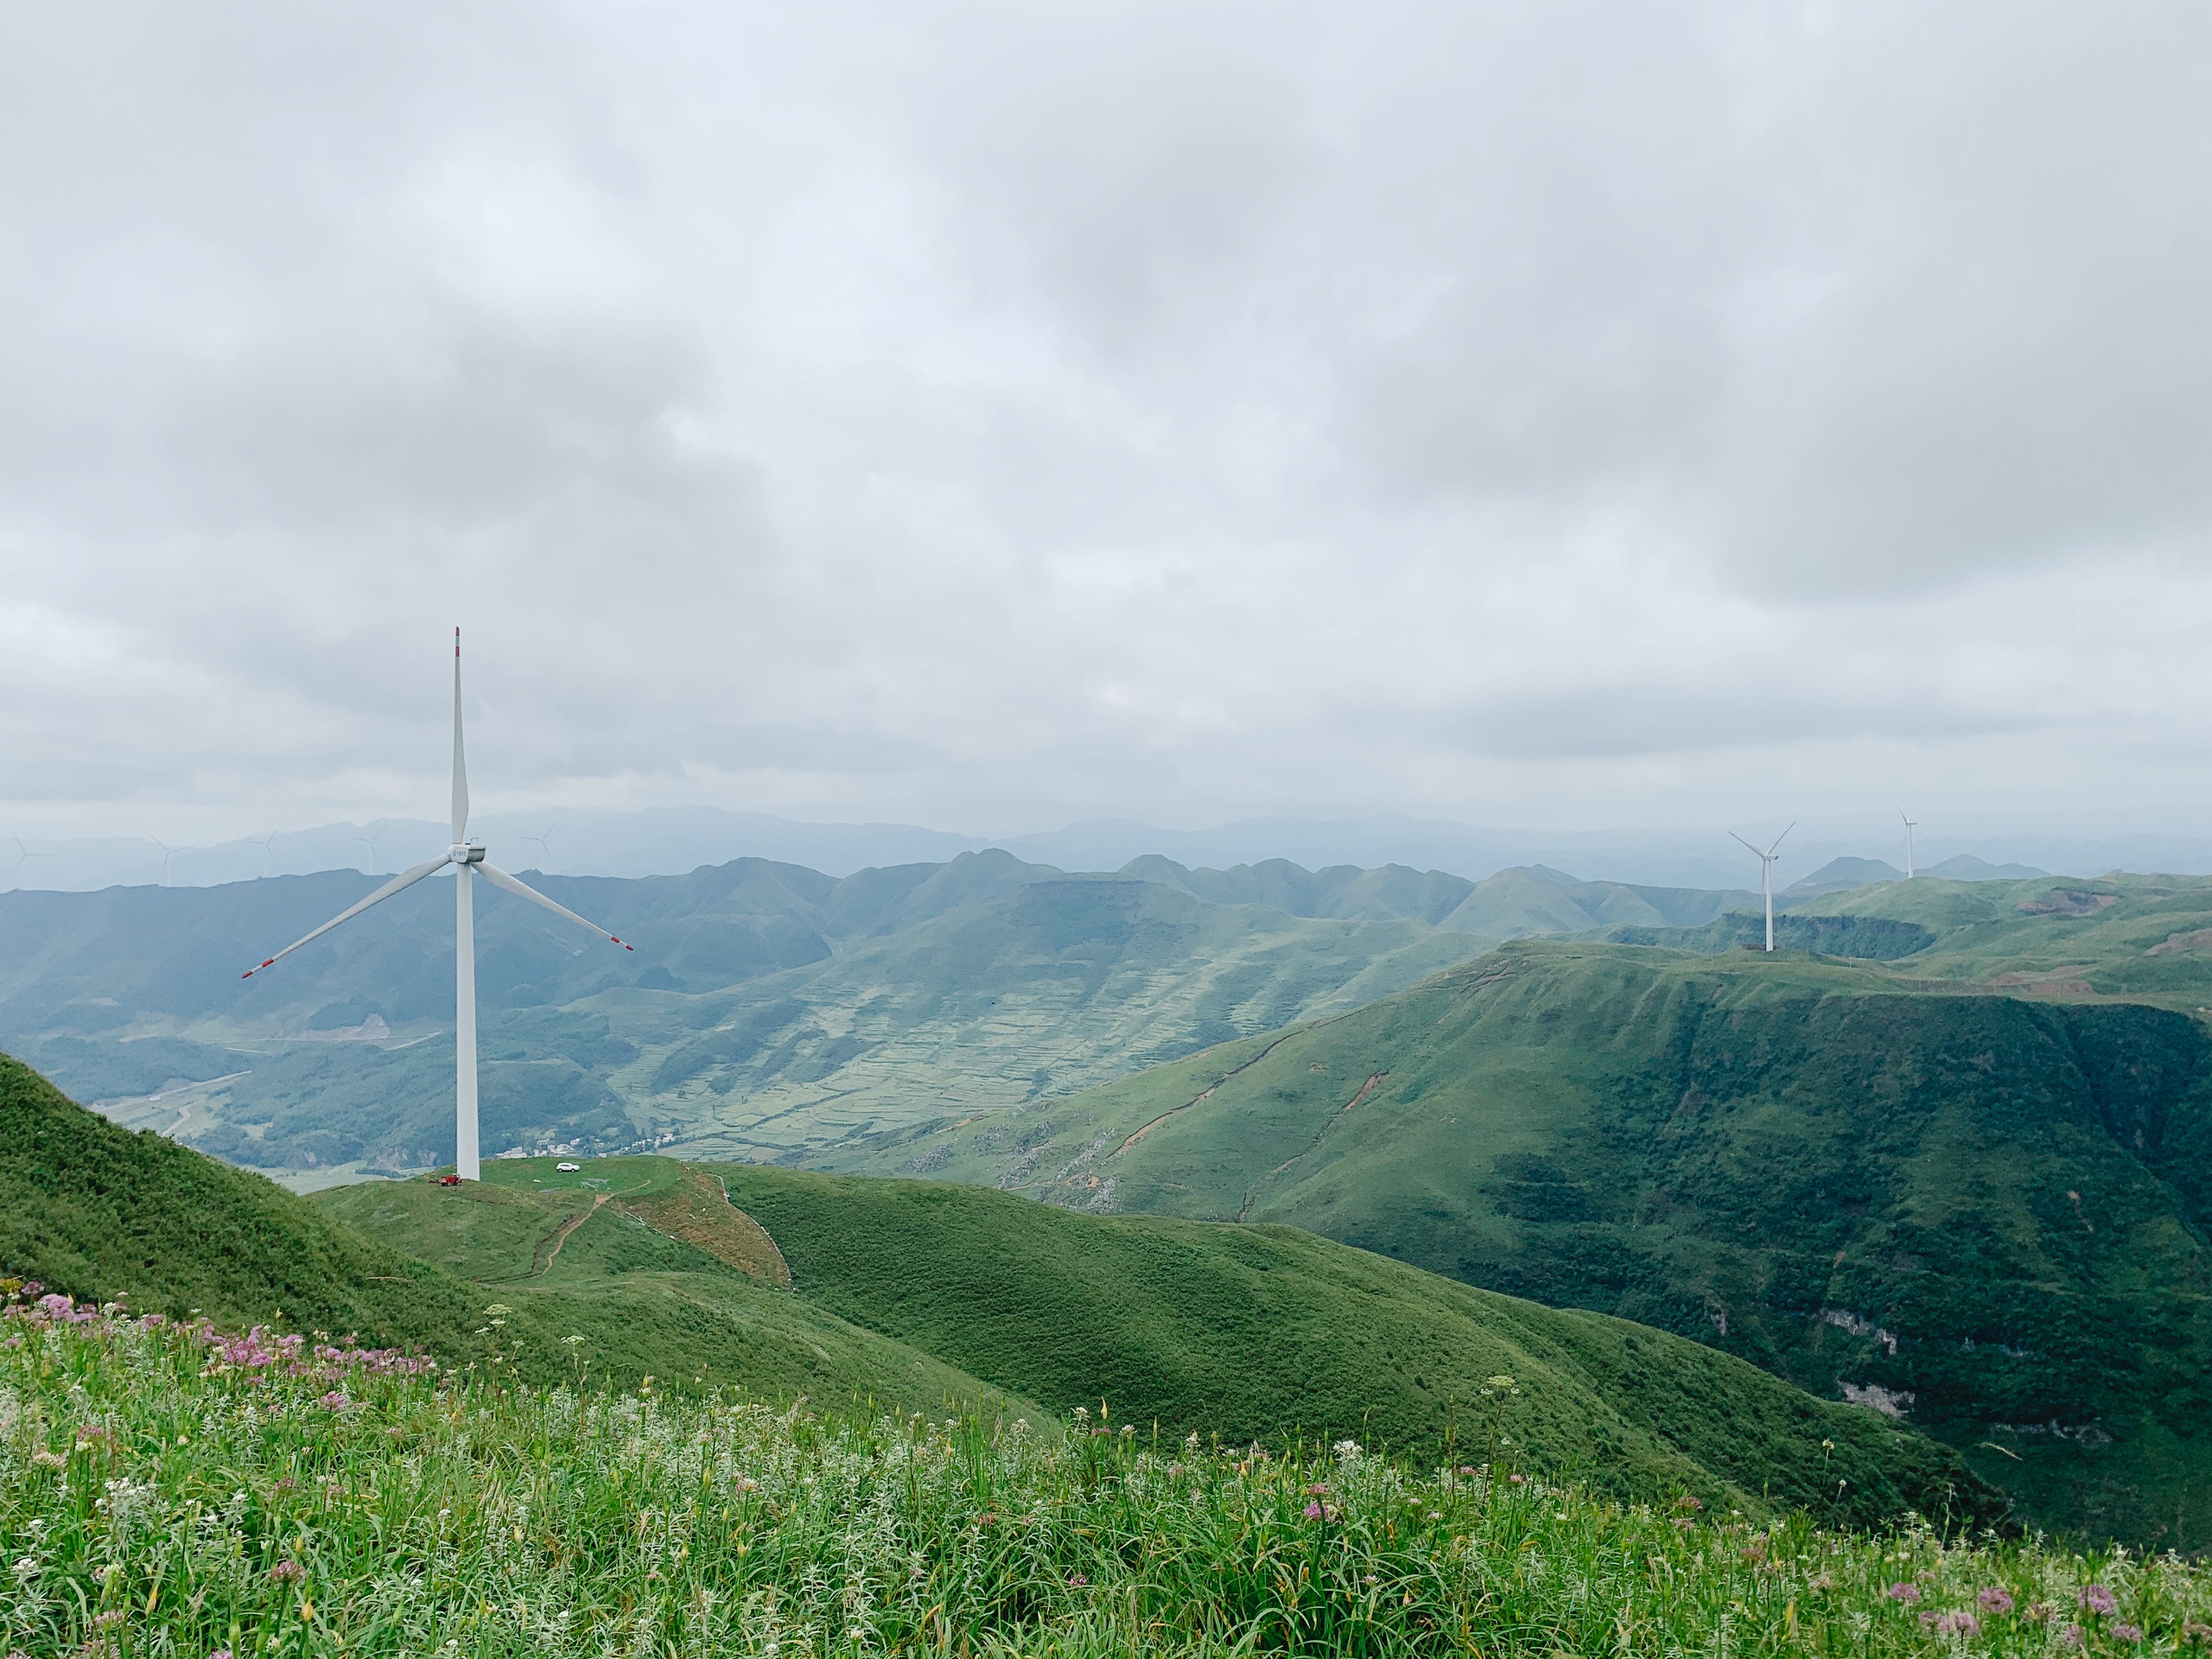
673,841
1965,866
1841,874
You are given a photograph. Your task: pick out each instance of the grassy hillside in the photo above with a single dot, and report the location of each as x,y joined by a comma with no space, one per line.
1260,1332
2140,938
345,1510
1987,1212
99,1212
1241,1333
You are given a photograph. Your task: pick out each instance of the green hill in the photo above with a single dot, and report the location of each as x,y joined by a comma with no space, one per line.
1239,1332
2137,937
101,1213
1986,1212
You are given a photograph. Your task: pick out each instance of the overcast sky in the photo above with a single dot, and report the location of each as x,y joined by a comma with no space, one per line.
988,415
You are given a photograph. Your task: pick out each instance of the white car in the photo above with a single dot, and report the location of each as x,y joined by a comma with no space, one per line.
567,1169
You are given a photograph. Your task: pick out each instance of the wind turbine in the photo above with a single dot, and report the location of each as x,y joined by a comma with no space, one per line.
22,854
544,852
466,857
1766,874
1909,826
168,854
268,845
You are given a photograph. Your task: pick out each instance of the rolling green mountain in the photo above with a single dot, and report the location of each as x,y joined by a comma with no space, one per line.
1985,1212
1240,1332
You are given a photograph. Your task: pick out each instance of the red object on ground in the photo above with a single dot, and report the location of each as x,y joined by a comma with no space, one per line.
449,1180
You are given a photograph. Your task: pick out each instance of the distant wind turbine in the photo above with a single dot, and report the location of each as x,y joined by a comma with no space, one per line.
1766,874
1909,826
268,845
466,857
544,852
23,855
168,853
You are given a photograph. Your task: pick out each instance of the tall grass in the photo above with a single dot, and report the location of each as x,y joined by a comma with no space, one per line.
166,1492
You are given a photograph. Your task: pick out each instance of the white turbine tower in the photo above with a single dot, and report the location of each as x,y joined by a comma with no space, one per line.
1766,876
466,857
1909,826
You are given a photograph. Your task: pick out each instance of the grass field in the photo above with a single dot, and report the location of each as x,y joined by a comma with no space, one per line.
163,1493
1989,1210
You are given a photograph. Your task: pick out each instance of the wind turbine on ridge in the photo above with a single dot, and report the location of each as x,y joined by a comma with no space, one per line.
1766,873
1909,826
466,857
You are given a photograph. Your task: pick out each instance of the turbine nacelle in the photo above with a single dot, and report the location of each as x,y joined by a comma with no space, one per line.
464,851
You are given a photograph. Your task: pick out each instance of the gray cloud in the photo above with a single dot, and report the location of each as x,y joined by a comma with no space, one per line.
998,414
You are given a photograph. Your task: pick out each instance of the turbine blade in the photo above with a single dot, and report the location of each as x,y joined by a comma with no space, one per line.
460,759
1746,845
406,879
499,878
1779,839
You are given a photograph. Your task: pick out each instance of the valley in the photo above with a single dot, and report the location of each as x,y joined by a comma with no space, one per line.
771,1012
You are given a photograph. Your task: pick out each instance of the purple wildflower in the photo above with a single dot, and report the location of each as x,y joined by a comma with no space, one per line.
1907,1594
336,1399
1318,1489
1313,1510
2096,1599
2124,1632
1996,1599
1959,1622
2072,1636
287,1573
220,1653
1077,1579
